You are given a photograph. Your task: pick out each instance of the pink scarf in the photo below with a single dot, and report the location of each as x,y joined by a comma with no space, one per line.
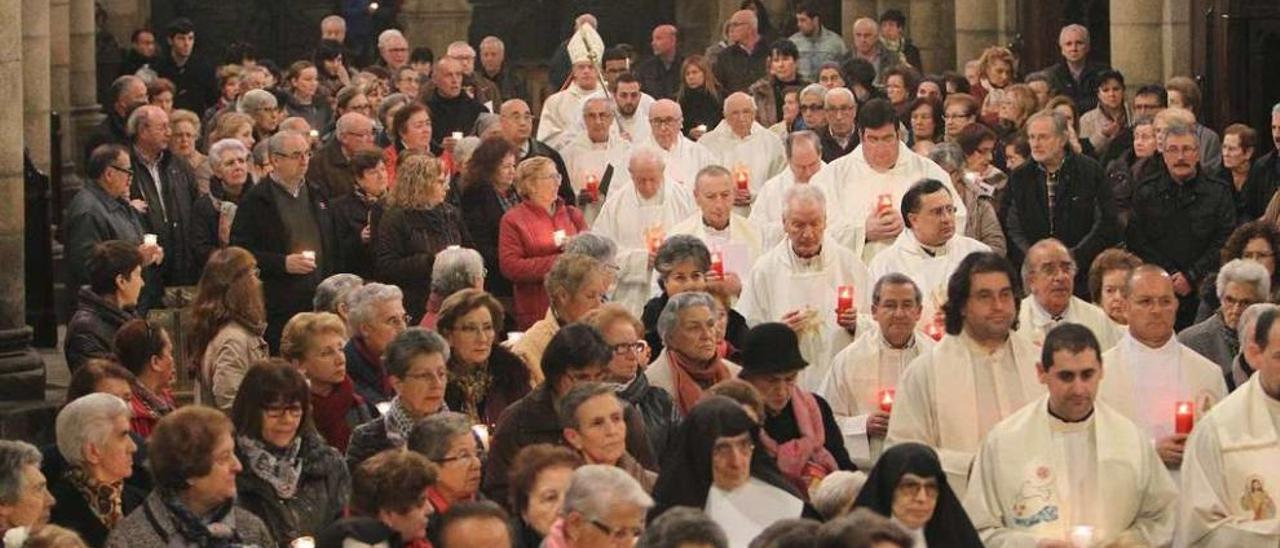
803,460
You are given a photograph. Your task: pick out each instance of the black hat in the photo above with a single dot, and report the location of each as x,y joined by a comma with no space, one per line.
771,348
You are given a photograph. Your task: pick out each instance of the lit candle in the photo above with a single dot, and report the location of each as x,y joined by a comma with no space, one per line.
700,128
655,236
884,203
1081,536
383,407
373,6
744,180
1184,416
150,239
514,336
315,134
844,298
935,330
457,135
886,400
309,255
559,237
593,186
303,542
717,263
482,433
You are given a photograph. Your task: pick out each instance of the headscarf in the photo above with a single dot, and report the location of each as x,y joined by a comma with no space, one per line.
950,525
686,469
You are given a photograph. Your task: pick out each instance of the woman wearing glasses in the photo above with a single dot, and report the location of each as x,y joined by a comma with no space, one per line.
313,342
484,377
415,361
446,439
291,479
622,332
909,486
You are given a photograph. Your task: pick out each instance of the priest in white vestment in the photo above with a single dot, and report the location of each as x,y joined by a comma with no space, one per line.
1049,272
1231,473
1150,374
596,154
747,148
637,217
731,236
930,247
865,187
978,374
683,158
804,161
1066,470
562,111
864,376
796,283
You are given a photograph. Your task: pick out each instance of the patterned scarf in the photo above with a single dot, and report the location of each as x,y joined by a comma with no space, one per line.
205,533
399,423
106,501
474,382
155,405
691,378
280,468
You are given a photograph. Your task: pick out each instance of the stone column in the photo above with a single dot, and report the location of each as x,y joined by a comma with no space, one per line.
1175,35
852,10
977,27
21,371
60,81
35,77
1136,41
929,23
85,111
123,16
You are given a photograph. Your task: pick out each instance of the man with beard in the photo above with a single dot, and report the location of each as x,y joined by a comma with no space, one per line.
633,108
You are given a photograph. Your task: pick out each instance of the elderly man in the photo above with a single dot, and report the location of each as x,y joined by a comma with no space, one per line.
866,187
797,283
601,505
286,223
752,151
1230,477
1094,467
1240,284
930,248
1151,374
683,157
334,27
1182,217
867,46
94,438
980,373
25,501
332,170
1075,75
494,67
165,189
1242,369
452,110
331,296
869,369
262,106
804,160
660,75
1067,197
768,91
393,50
127,93
375,316
516,124
638,217
840,110
1049,274
561,112
816,44
746,58
597,153
812,98
716,224
476,86
475,524
633,109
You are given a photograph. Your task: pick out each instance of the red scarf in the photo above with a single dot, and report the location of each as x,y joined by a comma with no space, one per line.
329,413
690,378
803,460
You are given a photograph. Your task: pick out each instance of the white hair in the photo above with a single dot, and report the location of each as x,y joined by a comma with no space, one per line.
387,36
836,492
1245,272
14,456
1084,32
493,41
1245,325
457,47
256,99
455,269
333,291
678,303
595,489
597,98
803,194
333,19
838,92
347,122
645,153
362,301
224,146
86,420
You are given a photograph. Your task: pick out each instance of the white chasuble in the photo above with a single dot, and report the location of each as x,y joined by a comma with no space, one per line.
766,209
561,117
1035,322
760,154
929,268
625,218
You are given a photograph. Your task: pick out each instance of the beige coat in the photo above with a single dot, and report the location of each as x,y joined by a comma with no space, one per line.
534,342
226,360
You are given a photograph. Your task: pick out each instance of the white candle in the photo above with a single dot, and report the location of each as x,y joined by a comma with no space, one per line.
1082,536
559,237
383,407
514,336
482,432
457,135
303,542
700,128
309,255
315,134
150,239
373,6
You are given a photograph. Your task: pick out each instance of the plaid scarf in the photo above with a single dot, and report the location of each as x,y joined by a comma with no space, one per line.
106,501
279,468
473,382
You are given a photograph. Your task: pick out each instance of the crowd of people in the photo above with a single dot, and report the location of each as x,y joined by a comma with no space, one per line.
785,292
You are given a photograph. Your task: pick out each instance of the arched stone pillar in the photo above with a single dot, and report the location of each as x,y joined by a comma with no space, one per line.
1136,41
35,77
85,111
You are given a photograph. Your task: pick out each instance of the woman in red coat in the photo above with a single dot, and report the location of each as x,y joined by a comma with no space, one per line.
533,234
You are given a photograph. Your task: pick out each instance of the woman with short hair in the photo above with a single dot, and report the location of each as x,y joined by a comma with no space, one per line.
602,506
447,440
455,269
538,478
106,303
484,377
375,316
93,437
353,212
391,487
409,132
184,133
415,362
313,342
576,285
146,350
227,318
213,213
682,264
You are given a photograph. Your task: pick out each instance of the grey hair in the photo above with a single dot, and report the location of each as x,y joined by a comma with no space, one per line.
679,303
815,89
1245,325
138,118
838,92
413,342
1074,27
14,456
86,420
387,36
679,248
224,146
457,45
256,99
948,156
597,97
598,488
334,19
362,300
261,152
1244,272
493,41
389,102
463,149
803,194
1059,121
455,269
600,248
275,144
430,437
347,122
1275,109
567,409
683,526
802,136
1025,270
894,278
333,291
835,494
1178,128
645,153
712,170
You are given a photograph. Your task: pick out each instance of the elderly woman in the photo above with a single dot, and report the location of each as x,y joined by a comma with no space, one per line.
1122,172
415,362
1239,283
227,319
834,495
213,212
262,106
690,363
592,417
146,350
532,235
24,499
602,507
391,487
1238,146
446,439
331,294
682,263
115,282
576,285
978,144
622,331
353,212
1257,241
488,192
1107,277
909,486
160,94
184,132
93,438
313,342
411,132
539,477
375,316
715,466
418,223
984,223
192,455
900,83
484,377
292,479
455,269
576,354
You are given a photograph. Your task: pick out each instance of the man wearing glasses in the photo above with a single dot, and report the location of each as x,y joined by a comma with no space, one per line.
1049,273
332,170
163,192
839,111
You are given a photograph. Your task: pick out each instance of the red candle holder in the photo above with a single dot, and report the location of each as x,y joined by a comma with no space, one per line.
717,263
885,398
844,298
744,180
935,330
593,186
1184,416
884,203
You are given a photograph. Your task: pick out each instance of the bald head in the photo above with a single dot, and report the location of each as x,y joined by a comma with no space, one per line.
646,168
744,28
664,41
1148,275
516,121
354,132
1152,305
334,28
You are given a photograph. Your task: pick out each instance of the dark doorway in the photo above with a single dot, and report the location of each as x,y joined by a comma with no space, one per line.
1235,45
1037,41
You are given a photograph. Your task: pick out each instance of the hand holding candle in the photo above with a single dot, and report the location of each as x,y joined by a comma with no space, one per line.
885,398
593,186
844,298
303,542
559,237
884,203
1184,416
717,265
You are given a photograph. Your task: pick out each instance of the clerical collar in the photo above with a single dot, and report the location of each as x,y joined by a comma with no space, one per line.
1059,418
1170,345
1043,317
933,250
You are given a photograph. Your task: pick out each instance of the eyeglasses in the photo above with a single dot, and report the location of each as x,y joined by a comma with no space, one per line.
1053,269
299,155
620,534
279,411
478,456
396,321
725,449
1232,302
664,121
909,488
622,349
439,377
125,171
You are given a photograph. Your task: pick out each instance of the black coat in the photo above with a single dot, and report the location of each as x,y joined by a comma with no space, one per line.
783,428
72,510
736,69
831,149
405,248
110,131
1264,179
510,383
350,216
452,114
368,440
699,107
322,492
658,79
208,213
735,332
92,217
91,333
661,415
1083,92
483,213
331,171
172,221
509,85
1182,227
196,87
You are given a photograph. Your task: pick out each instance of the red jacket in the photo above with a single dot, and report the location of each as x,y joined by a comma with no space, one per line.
527,249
